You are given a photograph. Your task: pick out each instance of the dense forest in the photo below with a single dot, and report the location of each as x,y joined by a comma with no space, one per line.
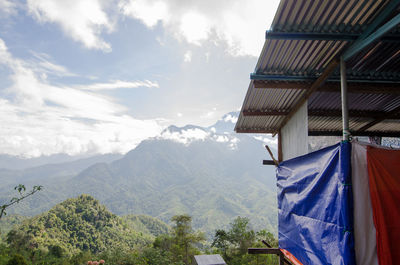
213,180
81,230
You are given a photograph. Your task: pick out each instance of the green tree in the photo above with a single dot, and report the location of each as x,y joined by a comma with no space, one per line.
56,251
185,238
154,256
221,241
21,189
241,235
17,259
233,244
267,237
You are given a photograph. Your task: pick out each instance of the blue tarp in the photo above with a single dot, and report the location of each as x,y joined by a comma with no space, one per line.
315,206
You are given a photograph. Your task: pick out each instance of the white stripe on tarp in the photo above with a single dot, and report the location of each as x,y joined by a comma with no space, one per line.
364,228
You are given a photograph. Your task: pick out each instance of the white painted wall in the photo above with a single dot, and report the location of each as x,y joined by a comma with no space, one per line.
294,135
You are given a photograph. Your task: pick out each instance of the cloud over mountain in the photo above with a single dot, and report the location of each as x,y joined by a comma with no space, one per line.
42,118
81,20
197,21
236,23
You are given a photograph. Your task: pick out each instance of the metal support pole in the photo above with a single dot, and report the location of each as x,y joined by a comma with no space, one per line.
281,259
280,155
345,108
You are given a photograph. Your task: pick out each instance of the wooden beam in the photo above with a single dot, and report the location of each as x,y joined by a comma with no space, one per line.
269,163
265,112
254,130
327,113
328,70
353,87
281,84
361,43
325,133
271,35
305,78
355,133
266,243
272,155
280,155
276,251
380,119
355,114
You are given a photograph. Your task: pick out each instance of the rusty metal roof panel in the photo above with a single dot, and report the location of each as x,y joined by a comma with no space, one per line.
386,125
357,101
308,58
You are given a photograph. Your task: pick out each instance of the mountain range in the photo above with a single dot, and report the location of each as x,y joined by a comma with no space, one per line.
210,173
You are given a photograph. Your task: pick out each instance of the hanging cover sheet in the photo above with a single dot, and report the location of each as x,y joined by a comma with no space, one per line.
314,202
364,228
384,187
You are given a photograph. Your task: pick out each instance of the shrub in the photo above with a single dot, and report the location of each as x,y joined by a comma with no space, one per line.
17,259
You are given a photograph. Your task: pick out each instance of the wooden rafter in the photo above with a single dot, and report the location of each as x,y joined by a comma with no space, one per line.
328,70
396,111
254,130
326,133
353,87
355,133
328,113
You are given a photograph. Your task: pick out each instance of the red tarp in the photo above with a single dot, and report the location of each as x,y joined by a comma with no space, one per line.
384,186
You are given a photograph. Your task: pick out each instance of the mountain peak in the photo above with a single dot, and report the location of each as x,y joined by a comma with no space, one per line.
231,117
185,135
221,131
226,124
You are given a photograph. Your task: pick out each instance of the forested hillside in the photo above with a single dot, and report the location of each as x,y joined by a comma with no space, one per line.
80,230
82,224
210,173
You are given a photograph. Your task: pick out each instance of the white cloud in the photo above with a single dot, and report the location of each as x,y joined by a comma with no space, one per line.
42,63
209,114
239,23
150,13
187,58
230,118
116,84
233,143
7,8
267,140
195,27
221,138
185,136
83,21
40,118
230,140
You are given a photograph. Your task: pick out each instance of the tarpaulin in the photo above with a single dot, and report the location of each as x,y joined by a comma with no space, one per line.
290,257
384,186
364,228
315,206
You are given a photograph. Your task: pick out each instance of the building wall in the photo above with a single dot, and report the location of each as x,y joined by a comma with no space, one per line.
294,135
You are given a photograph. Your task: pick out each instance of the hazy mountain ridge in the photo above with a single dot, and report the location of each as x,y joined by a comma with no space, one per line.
210,173
45,172
21,163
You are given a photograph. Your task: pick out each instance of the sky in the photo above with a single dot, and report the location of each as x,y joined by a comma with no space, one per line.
100,76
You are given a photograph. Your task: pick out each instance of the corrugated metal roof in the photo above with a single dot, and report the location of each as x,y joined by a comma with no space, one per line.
337,25
209,260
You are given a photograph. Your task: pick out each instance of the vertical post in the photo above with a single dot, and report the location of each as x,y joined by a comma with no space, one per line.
280,155
345,108
281,259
